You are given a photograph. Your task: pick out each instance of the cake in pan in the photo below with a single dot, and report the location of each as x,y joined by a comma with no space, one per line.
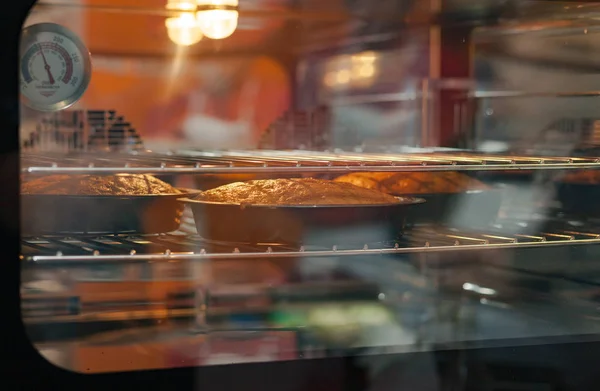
400,183
295,191
119,185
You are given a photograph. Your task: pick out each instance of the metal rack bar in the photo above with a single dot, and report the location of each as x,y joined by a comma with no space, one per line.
192,162
115,316
533,94
160,248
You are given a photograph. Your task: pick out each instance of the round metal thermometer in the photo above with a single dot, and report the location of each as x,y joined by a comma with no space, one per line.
55,67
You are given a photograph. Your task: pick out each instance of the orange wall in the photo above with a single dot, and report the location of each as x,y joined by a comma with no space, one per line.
153,95
157,104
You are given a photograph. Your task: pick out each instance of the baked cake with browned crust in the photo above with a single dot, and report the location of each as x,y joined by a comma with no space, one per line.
400,183
119,185
295,191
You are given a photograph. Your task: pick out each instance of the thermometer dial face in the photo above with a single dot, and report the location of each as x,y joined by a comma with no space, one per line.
55,67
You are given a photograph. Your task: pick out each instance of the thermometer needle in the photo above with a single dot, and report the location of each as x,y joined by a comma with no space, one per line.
46,66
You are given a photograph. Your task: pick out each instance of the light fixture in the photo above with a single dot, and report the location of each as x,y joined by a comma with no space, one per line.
365,57
343,76
182,5
355,70
183,29
217,19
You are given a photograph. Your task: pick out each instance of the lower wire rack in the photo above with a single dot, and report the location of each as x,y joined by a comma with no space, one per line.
186,246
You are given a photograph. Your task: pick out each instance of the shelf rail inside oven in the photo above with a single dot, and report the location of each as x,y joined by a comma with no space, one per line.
287,162
176,247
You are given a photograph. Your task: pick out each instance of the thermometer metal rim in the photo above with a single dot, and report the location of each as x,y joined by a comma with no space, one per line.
28,38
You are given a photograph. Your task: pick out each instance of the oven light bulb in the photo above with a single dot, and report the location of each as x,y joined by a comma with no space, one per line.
217,19
181,5
184,30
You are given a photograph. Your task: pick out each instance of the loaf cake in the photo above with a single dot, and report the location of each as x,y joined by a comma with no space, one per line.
211,181
295,191
118,185
400,183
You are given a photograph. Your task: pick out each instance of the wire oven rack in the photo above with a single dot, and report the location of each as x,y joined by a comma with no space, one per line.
122,257
282,162
185,246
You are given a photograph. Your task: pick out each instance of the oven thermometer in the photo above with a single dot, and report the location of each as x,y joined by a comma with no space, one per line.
55,67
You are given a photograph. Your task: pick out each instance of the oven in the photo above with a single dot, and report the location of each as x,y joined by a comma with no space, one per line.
477,118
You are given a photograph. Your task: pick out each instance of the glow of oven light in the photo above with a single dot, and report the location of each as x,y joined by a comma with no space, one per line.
365,57
181,5
363,76
330,79
364,63
366,71
467,286
217,19
363,68
183,30
343,76
356,69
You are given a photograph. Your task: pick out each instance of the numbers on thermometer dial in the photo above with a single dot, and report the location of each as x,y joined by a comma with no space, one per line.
55,67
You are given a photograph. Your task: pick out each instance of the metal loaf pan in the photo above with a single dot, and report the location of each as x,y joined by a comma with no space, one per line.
46,214
299,224
461,209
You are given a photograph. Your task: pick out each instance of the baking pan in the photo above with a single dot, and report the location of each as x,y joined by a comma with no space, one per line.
472,208
298,224
45,214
